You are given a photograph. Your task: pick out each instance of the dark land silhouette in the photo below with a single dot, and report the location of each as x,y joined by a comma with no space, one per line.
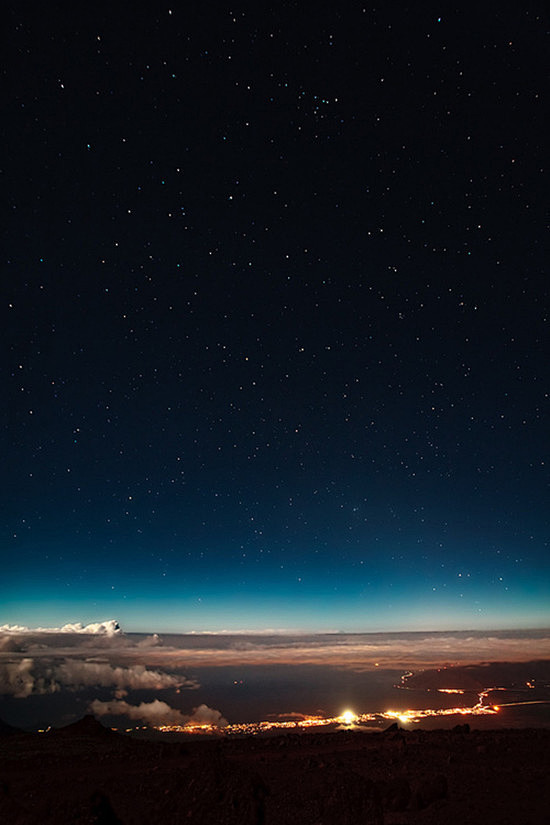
85,773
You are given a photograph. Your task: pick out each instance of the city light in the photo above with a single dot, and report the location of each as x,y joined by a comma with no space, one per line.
347,718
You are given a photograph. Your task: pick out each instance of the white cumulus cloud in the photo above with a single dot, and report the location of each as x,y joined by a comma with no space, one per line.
110,627
157,713
203,715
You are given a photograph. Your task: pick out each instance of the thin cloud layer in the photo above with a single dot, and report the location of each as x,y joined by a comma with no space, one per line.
357,652
75,674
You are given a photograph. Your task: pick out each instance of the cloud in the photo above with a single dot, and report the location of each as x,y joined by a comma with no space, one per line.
158,713
27,676
151,641
9,644
155,712
355,651
37,663
203,715
359,651
107,628
18,680
14,628
75,674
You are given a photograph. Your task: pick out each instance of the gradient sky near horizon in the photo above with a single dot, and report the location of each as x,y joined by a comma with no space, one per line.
275,317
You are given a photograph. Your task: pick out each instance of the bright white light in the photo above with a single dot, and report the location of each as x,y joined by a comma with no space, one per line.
348,717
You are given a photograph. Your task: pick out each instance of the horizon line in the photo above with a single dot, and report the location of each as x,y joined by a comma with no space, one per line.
113,627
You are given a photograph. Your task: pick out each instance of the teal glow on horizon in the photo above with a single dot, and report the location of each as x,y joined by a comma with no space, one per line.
275,327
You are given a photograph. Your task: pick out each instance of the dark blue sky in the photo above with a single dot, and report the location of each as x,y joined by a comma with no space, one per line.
275,318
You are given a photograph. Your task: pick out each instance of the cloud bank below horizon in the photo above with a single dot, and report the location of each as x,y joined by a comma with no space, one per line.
142,676
102,654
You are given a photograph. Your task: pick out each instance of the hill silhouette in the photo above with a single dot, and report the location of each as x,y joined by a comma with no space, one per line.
88,726
8,730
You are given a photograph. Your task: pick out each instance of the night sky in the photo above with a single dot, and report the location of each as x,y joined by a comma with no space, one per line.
274,316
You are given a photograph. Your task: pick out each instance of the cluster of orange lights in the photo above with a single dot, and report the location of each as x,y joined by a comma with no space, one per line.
346,719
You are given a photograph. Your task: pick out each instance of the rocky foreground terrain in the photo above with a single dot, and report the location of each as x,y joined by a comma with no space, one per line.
87,774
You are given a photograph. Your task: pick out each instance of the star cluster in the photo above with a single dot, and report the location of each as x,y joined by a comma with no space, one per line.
275,317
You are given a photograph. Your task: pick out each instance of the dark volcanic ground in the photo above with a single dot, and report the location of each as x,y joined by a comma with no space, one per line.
87,774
